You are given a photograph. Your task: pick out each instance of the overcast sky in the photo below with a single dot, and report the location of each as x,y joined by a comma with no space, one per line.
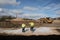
30,8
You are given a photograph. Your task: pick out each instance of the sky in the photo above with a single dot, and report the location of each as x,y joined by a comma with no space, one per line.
33,9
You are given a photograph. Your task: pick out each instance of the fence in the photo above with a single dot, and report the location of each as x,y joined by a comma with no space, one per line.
15,24
7,24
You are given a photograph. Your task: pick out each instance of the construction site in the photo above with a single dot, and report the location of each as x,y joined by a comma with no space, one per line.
43,26
18,21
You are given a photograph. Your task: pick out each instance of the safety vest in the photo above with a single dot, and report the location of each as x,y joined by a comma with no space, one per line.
23,25
31,24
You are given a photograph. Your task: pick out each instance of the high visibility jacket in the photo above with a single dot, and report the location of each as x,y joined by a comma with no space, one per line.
31,24
23,25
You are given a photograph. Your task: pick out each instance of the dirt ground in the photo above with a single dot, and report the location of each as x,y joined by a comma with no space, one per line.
38,31
44,29
56,23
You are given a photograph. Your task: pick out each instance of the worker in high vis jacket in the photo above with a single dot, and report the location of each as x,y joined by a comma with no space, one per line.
31,26
23,27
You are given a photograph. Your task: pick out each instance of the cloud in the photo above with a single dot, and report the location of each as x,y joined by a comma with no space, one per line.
30,8
57,6
3,12
0,9
42,11
49,7
11,12
9,2
58,12
54,6
33,16
38,12
16,11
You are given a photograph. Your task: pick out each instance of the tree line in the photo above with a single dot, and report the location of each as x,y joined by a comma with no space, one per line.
4,18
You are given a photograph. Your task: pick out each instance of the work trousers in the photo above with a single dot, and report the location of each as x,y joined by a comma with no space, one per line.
23,29
32,28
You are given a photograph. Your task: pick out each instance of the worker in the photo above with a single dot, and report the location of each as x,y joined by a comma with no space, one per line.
31,26
23,27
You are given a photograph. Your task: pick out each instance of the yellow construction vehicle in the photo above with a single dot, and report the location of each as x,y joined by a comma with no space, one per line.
46,20
49,20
